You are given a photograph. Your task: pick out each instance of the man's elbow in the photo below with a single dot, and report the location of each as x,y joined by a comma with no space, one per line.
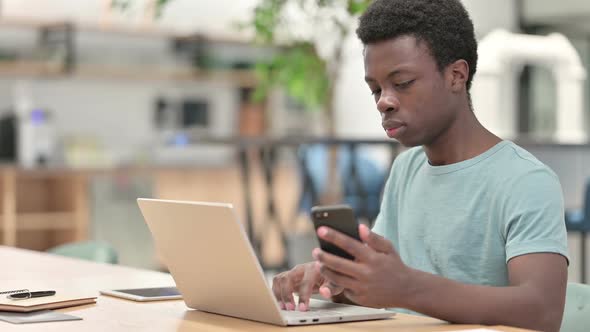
545,316
552,319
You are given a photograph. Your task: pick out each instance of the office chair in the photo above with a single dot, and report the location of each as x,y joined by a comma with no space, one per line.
99,252
579,221
576,316
361,189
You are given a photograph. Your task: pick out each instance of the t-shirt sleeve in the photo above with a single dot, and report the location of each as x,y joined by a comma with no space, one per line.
534,215
379,225
384,221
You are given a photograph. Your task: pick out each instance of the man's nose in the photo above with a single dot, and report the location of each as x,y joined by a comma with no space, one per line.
387,102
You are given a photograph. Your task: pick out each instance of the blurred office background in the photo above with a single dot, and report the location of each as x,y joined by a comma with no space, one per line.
105,101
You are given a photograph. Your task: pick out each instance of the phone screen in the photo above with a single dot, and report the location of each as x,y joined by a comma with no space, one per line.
151,292
340,218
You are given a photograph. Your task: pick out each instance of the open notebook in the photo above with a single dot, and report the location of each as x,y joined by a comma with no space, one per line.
59,300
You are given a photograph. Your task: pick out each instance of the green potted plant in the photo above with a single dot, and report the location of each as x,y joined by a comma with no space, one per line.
306,69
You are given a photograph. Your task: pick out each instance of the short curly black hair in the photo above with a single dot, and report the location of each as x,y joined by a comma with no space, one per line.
443,24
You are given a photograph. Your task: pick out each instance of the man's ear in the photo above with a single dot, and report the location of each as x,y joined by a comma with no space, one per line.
458,73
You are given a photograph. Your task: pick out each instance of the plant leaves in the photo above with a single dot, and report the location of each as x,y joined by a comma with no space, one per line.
356,7
298,68
266,18
300,71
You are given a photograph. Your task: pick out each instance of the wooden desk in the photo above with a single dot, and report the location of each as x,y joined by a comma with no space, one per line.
29,269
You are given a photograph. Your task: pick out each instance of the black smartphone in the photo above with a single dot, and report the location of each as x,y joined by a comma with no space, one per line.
340,218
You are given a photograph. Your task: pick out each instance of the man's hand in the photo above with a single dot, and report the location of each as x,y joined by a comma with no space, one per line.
304,280
376,278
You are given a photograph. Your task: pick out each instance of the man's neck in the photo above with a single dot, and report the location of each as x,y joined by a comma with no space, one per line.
466,138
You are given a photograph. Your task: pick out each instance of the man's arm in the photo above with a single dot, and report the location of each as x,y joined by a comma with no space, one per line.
535,298
378,278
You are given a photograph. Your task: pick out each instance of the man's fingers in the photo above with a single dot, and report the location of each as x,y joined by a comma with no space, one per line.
306,288
286,293
326,292
374,240
336,263
283,290
328,289
344,242
276,290
337,280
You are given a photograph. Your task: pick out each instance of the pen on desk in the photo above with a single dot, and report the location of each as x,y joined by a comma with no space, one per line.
29,295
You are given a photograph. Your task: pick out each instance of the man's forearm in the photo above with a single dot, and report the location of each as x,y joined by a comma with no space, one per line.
521,306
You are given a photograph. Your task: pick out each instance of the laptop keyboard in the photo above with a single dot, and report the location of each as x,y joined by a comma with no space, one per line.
312,313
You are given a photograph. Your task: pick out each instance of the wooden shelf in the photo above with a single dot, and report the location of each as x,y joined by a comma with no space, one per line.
64,32
28,23
29,68
239,77
148,30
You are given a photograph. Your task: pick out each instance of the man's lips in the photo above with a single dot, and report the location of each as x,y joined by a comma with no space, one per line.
394,130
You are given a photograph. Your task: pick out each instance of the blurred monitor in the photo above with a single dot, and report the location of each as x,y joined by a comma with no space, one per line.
195,113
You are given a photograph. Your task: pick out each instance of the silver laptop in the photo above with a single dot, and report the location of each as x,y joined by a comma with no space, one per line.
214,267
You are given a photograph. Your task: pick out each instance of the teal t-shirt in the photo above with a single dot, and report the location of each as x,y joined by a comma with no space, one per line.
465,221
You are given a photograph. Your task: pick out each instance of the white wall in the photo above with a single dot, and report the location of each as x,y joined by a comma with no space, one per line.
542,10
487,17
356,113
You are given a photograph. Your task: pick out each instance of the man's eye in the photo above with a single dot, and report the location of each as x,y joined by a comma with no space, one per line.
375,92
404,85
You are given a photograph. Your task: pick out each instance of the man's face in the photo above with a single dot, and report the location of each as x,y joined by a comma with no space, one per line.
412,95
